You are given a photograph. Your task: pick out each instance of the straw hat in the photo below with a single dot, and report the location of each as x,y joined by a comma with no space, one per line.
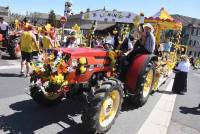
184,57
149,26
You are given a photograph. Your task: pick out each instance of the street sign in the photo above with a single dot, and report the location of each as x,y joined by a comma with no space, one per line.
63,20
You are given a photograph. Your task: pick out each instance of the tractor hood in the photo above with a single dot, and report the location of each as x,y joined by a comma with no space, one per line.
84,51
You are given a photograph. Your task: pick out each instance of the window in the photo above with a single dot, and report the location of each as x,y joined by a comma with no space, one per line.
195,54
190,42
192,31
190,52
197,33
194,43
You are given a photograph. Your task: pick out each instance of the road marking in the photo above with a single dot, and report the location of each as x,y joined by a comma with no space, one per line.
196,74
9,67
12,64
160,117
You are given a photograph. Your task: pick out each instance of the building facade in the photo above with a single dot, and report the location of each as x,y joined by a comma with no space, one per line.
194,41
190,34
5,13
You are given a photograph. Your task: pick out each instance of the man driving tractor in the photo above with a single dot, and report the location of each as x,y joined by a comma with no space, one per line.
146,44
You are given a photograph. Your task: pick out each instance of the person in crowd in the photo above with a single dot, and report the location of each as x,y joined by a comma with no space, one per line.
146,45
46,41
36,47
160,49
166,48
71,42
28,39
4,27
180,81
192,61
128,43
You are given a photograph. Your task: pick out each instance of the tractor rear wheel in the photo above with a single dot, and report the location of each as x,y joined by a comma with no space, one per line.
103,109
42,98
144,85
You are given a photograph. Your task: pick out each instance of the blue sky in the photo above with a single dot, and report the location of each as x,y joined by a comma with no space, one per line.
149,7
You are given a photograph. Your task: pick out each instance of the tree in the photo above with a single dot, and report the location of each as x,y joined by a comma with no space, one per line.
88,10
52,18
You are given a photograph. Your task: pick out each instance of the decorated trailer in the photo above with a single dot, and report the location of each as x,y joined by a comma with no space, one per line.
161,22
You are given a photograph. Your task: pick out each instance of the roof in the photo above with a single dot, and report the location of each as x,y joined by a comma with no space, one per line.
164,21
43,15
4,9
163,14
186,21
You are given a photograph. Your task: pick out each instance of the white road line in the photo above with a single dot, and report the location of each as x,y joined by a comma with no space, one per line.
9,67
160,117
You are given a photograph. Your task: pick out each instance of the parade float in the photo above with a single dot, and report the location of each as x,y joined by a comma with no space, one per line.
97,76
161,22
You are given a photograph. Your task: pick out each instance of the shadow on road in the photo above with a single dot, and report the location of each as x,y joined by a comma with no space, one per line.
30,117
9,75
127,105
193,110
6,57
165,92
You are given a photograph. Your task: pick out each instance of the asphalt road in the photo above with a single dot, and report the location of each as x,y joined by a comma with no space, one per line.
20,114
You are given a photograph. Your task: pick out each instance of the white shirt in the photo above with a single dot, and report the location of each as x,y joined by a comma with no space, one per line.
3,26
183,66
72,45
130,44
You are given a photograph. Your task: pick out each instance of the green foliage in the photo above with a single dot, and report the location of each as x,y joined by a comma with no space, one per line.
52,18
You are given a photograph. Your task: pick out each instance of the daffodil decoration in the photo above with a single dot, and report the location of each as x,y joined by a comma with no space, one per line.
112,56
52,56
57,79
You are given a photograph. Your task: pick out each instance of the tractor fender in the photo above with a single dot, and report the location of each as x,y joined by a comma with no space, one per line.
136,67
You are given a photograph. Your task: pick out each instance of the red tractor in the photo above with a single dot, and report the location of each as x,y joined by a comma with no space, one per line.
11,44
67,72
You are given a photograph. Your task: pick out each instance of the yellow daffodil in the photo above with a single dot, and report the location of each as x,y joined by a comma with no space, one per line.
57,79
52,56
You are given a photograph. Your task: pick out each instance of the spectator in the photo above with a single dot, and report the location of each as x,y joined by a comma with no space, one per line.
46,41
180,81
4,30
71,42
167,48
26,42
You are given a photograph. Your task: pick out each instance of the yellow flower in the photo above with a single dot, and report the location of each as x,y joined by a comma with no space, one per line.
52,56
59,78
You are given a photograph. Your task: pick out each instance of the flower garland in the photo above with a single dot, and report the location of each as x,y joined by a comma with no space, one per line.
52,70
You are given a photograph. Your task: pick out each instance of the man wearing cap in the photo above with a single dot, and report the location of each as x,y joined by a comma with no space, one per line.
147,44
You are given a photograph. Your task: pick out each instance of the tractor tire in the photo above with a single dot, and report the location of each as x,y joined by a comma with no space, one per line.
39,97
144,85
102,110
13,52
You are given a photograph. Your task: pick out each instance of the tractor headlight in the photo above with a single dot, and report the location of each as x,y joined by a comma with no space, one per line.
82,62
82,69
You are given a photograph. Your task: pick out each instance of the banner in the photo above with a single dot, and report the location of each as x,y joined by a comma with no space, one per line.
110,16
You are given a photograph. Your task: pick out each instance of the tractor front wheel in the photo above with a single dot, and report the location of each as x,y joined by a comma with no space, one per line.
104,107
43,98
